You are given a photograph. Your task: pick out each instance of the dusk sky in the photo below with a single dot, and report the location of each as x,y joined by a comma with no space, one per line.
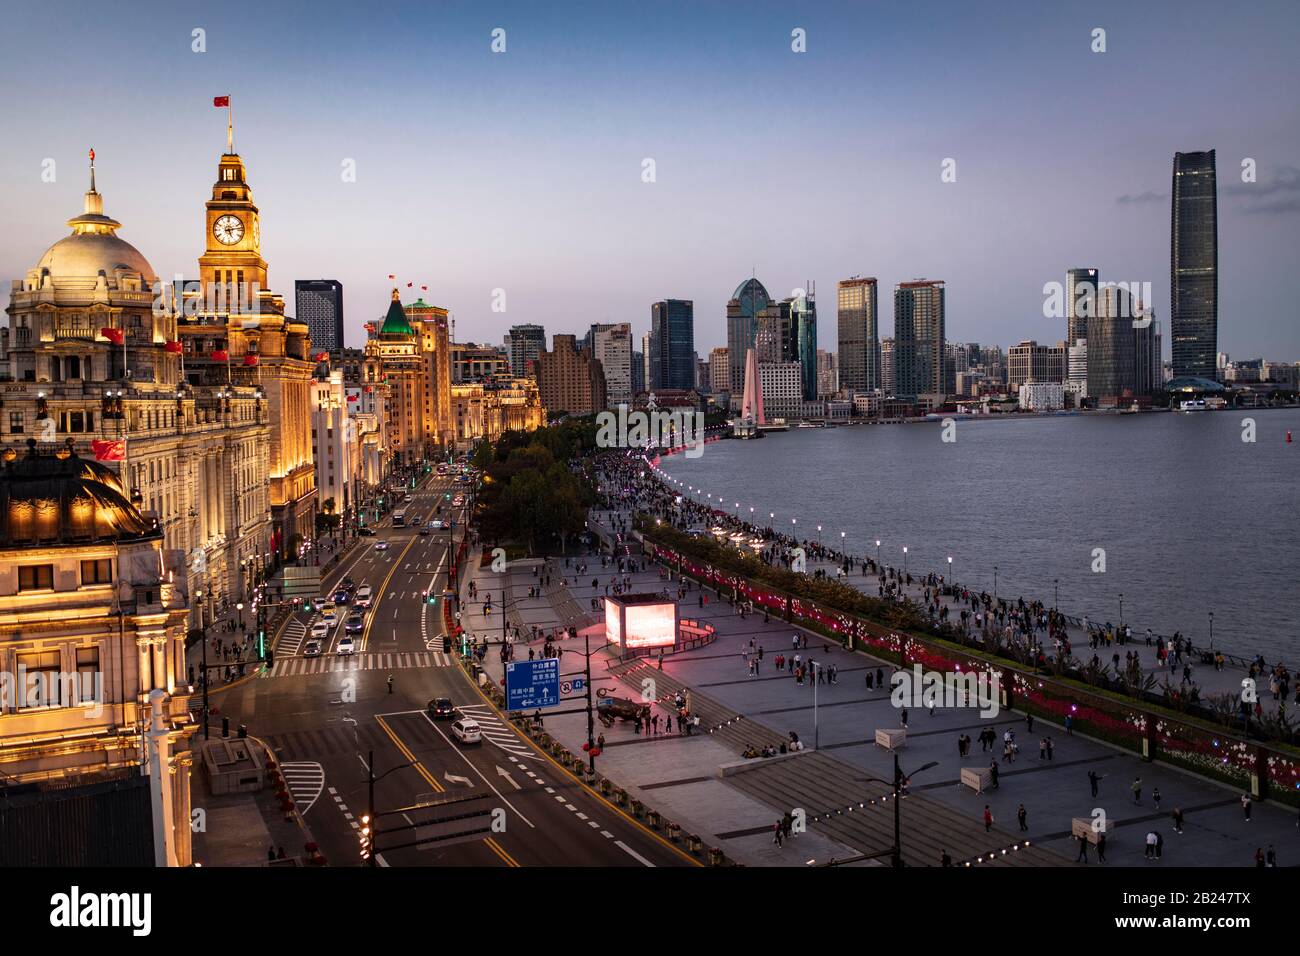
523,170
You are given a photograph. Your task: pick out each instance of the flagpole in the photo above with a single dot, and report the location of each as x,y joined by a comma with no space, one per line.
230,127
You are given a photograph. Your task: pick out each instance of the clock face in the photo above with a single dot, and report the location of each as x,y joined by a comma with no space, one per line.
228,230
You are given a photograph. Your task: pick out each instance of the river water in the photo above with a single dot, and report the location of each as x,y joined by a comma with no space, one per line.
1191,518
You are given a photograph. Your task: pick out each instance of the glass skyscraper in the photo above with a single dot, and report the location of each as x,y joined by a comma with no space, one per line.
672,344
320,304
859,349
749,299
1194,266
918,339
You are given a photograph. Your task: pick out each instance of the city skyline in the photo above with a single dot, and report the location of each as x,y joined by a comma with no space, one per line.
546,201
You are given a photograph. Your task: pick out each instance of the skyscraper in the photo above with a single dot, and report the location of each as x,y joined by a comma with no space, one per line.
859,350
1080,302
611,344
525,342
319,303
1194,266
803,327
918,338
570,379
749,299
672,344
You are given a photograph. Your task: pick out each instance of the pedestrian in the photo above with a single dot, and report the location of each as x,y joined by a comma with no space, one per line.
1137,790
1029,723
1083,849
1245,805
993,772
988,818
1042,748
1101,846
1270,858
1150,851
1155,797
778,834
903,718
944,858
1020,817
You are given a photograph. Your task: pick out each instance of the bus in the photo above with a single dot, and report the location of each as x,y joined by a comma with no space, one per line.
399,518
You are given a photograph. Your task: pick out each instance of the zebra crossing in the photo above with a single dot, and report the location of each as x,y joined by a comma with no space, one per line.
291,640
495,730
303,666
305,780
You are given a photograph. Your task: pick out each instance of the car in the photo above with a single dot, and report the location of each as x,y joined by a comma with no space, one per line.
328,611
441,708
366,532
348,583
355,624
381,545
346,646
364,596
436,524
311,649
426,528
467,731
458,500
342,596
409,497
320,630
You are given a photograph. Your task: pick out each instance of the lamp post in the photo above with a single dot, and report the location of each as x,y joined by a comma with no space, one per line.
240,608
1211,630
904,559
951,583
995,584
877,554
897,855
1055,603
1121,610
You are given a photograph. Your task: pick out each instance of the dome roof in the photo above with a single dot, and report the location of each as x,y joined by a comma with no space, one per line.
64,499
85,255
93,246
752,296
395,322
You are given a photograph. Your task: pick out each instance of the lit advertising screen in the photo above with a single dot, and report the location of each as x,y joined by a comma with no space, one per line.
613,627
651,625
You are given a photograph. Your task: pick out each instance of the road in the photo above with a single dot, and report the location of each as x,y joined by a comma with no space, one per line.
498,803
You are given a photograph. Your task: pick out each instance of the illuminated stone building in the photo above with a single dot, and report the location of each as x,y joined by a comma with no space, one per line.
486,410
93,695
234,333
93,353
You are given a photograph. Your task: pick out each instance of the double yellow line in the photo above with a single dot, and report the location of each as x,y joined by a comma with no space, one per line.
432,781
383,589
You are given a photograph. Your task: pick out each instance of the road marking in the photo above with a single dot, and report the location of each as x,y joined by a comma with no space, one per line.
501,771
468,763
305,780
632,853
606,834
453,778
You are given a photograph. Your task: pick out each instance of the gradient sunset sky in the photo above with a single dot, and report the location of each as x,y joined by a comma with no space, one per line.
522,170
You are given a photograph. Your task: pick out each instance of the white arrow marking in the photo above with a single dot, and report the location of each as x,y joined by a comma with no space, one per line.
453,778
501,771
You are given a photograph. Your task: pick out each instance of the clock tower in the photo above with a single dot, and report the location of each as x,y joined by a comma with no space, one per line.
233,244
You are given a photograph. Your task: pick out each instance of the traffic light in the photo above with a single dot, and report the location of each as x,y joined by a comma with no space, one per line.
363,835
446,643
431,597
270,658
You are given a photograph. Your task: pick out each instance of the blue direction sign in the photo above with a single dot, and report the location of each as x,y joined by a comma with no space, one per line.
533,684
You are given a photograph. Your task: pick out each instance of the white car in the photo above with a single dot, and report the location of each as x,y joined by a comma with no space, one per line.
364,596
320,630
410,497
467,731
381,545
346,646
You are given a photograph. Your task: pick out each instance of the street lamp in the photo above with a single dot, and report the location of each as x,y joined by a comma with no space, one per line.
1121,610
995,584
904,559
877,554
950,580
240,608
1211,630
1055,603
898,786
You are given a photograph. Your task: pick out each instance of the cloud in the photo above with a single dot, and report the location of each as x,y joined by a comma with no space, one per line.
1148,196
1279,207
1285,179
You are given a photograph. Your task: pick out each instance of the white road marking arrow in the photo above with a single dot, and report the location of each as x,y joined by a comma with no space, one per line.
453,778
501,771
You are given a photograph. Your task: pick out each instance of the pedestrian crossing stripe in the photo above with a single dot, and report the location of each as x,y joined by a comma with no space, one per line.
495,730
305,780
303,666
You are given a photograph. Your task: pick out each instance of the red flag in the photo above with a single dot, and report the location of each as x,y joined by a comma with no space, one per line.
113,449
392,277
353,398
322,356
409,284
113,335
369,326
220,355
92,155
173,347
424,288
221,101
250,360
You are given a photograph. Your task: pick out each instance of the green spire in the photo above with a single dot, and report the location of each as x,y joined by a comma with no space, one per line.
395,322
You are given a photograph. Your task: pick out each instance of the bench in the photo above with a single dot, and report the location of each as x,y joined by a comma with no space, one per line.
891,739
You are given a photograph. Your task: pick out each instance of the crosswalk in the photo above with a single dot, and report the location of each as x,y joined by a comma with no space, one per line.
495,730
292,638
302,666
305,780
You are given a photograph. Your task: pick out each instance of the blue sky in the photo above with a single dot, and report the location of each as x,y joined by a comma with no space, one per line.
522,170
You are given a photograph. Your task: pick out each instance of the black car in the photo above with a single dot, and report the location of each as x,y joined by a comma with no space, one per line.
347,583
366,532
424,529
354,624
441,708
342,596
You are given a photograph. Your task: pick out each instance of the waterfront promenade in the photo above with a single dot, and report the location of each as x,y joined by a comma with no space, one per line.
693,779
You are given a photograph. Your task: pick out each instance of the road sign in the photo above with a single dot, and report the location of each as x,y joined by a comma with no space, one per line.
532,684
578,685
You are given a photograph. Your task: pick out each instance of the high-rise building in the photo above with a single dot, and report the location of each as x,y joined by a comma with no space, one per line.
1081,287
720,369
1123,350
803,322
827,374
638,372
525,342
570,379
672,344
918,339
611,345
749,299
406,373
476,363
430,323
888,380
781,384
1030,362
1194,266
859,333
319,303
